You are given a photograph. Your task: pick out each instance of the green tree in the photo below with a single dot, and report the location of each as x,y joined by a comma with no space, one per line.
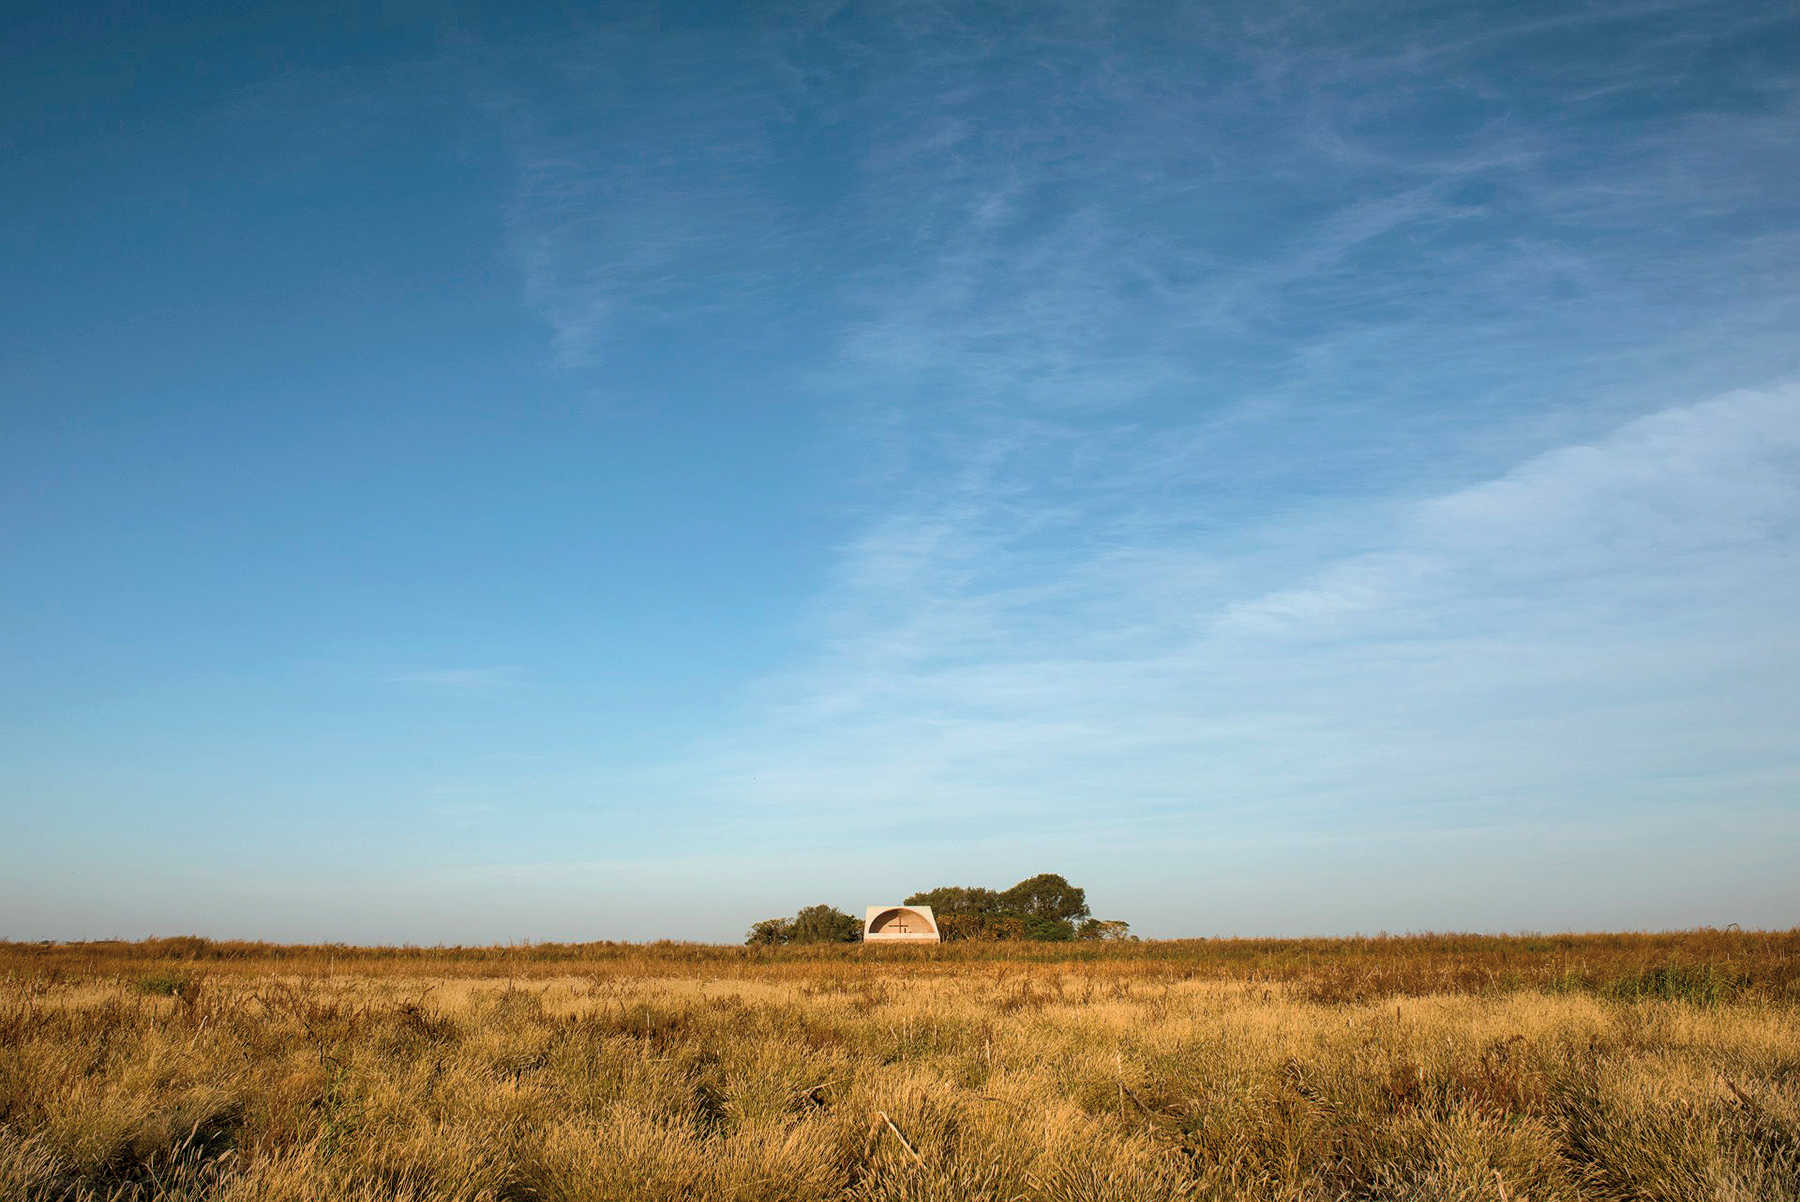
1048,930
770,932
1105,929
962,911
1047,896
1044,907
825,924
1005,928
957,901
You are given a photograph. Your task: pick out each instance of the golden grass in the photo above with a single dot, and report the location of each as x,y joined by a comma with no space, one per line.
1630,1067
1705,965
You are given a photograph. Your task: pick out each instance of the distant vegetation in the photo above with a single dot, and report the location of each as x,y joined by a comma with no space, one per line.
1044,908
1565,1068
814,924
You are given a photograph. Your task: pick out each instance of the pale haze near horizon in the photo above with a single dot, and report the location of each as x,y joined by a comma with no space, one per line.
471,477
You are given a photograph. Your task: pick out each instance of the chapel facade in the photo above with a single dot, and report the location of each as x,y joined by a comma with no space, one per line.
900,924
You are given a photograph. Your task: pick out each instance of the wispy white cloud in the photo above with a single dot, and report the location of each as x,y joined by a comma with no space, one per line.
1700,498
1125,567
1254,424
643,195
1550,644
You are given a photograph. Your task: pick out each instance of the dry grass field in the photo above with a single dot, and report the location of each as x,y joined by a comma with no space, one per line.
1647,1067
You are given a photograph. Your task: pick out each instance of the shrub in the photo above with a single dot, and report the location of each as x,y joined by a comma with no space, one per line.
1049,930
814,924
825,924
770,932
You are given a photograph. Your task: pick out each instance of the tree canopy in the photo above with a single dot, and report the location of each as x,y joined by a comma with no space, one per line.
953,901
814,924
825,924
1043,907
1047,896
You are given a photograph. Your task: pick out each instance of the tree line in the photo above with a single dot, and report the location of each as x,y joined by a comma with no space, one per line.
1045,908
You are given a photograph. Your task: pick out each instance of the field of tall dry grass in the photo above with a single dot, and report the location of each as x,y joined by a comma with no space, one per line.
1439,1067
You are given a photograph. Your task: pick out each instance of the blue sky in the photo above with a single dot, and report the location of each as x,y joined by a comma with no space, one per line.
470,475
